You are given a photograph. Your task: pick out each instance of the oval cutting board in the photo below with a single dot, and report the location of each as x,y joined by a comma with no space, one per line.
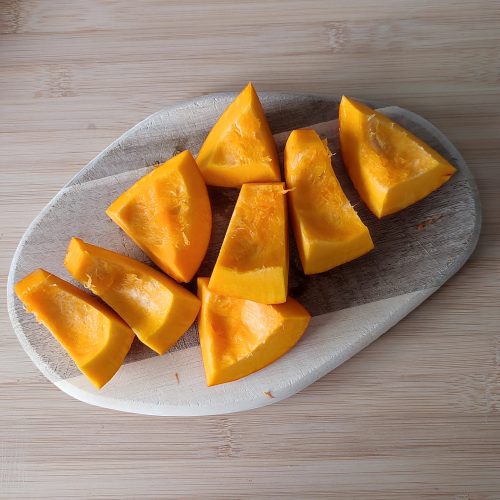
416,251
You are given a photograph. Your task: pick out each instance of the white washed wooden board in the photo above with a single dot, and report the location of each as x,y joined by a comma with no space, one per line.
416,251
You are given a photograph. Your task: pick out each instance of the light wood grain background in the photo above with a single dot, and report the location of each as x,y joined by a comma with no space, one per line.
417,414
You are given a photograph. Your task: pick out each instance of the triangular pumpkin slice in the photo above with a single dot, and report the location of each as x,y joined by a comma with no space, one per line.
327,229
158,309
253,260
239,337
91,333
240,147
389,166
167,213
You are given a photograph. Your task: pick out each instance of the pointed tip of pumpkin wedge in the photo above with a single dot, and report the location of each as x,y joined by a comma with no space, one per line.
250,88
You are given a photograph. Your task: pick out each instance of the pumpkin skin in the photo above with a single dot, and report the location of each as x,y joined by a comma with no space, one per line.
239,337
167,214
253,260
158,309
389,166
240,147
327,229
91,333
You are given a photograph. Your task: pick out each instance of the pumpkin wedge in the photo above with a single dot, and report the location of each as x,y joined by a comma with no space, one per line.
327,229
240,147
158,309
239,337
253,260
389,166
167,213
91,333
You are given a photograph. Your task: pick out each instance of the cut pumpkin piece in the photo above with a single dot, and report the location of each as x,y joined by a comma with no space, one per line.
239,337
158,309
92,334
327,229
240,147
389,166
167,213
253,260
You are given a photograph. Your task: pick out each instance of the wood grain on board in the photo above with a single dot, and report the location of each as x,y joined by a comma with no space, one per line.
416,251
416,415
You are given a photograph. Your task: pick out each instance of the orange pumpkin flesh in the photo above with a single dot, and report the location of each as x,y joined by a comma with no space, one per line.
158,310
246,320
92,334
253,260
167,213
389,166
240,147
327,229
239,337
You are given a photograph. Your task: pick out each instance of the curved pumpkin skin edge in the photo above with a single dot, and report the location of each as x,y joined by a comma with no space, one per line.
221,177
106,361
205,223
183,306
99,370
382,209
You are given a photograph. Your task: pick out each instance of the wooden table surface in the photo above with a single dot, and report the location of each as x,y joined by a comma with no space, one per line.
417,414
